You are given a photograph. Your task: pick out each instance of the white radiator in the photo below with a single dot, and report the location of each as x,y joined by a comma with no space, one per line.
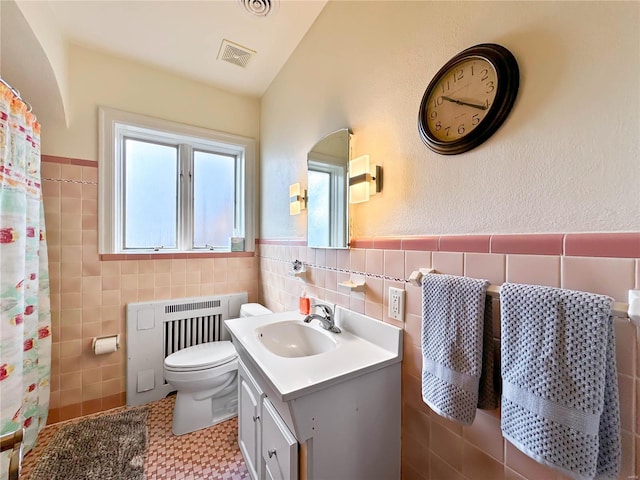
157,329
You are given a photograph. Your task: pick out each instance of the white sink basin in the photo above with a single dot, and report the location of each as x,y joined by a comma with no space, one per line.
297,358
294,339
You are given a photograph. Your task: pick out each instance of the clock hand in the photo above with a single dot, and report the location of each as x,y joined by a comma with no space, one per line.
460,102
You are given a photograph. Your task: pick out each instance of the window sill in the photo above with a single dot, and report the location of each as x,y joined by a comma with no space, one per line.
105,257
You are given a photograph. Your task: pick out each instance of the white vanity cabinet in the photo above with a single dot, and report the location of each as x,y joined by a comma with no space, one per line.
250,422
347,431
269,449
279,446
330,415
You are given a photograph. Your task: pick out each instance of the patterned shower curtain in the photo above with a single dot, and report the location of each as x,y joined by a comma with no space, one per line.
25,315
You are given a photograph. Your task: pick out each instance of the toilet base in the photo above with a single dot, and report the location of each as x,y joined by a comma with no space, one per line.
192,412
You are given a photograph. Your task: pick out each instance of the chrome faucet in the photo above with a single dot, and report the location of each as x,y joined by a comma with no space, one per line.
326,319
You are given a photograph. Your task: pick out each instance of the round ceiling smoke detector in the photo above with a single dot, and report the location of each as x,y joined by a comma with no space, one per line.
259,8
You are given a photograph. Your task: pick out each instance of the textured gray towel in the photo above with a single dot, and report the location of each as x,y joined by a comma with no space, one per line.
560,392
457,342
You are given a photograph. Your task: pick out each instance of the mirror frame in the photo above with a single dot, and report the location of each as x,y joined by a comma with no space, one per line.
339,192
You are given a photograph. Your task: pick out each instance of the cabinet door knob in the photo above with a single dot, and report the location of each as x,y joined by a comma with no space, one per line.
271,453
256,418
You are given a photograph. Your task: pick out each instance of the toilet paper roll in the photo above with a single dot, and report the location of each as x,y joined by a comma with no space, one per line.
105,345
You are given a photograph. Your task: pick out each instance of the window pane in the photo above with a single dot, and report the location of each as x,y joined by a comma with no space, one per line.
213,199
151,194
318,205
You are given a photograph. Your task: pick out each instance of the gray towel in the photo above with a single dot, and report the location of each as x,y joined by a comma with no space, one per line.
457,342
560,392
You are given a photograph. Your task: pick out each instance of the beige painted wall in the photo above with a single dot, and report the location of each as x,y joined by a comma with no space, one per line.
52,43
566,160
89,294
97,79
33,59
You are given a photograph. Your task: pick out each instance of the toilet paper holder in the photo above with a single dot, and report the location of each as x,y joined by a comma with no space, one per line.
108,339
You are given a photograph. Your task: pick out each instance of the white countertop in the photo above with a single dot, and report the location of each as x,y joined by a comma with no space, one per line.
364,345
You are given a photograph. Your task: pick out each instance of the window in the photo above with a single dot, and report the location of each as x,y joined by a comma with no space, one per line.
169,187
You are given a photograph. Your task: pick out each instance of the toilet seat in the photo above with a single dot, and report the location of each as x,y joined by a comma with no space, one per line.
201,357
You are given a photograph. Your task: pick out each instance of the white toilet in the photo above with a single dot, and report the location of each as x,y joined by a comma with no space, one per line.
206,378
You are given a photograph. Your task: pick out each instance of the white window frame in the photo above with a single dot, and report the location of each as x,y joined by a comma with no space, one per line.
116,125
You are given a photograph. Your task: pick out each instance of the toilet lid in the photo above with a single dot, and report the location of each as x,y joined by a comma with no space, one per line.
198,357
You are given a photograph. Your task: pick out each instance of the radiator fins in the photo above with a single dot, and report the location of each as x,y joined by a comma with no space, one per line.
184,333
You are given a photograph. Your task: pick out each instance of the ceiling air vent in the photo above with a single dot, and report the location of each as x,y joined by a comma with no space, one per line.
259,8
234,53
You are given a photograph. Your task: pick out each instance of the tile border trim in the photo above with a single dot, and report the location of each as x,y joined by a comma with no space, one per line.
68,161
622,245
604,244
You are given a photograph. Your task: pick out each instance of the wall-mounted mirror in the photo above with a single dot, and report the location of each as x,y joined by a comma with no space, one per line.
327,191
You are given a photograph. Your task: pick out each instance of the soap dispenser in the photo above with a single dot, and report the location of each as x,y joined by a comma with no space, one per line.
305,303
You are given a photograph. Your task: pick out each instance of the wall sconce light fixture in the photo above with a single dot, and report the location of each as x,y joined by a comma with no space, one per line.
364,179
297,199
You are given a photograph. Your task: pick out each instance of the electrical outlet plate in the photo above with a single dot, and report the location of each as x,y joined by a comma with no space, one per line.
396,303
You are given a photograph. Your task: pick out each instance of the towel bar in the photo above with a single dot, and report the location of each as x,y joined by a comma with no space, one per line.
629,310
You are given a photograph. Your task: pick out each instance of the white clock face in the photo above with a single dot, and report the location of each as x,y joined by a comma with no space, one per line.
461,99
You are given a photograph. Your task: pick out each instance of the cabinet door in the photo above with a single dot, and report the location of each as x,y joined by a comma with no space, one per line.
279,446
249,422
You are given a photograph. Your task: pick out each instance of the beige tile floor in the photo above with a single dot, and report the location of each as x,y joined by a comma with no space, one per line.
210,453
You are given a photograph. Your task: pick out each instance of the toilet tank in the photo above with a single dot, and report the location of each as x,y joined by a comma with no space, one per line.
253,310
246,310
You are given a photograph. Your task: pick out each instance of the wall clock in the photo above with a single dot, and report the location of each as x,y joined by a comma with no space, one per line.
468,99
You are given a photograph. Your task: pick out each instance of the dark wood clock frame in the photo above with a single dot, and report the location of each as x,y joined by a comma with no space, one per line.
508,78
